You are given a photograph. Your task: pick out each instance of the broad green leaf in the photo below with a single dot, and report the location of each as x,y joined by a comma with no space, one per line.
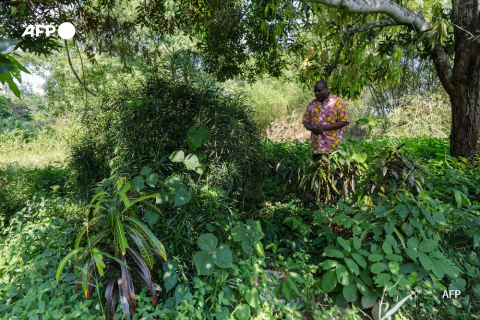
170,277
64,262
359,259
182,197
146,171
293,286
162,197
129,103
345,244
177,156
356,230
138,102
387,248
204,263
252,297
151,217
207,242
242,312
425,261
152,179
382,279
378,267
329,281
402,210
412,243
295,276
328,264
394,267
342,274
194,142
287,292
375,257
222,256
191,162
352,266
362,288
357,243
200,169
85,228
350,292
334,253
174,182
138,183
369,300
204,134
427,245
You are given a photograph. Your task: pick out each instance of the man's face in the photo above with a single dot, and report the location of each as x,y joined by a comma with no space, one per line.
321,92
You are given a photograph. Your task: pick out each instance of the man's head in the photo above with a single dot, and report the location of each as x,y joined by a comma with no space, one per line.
321,90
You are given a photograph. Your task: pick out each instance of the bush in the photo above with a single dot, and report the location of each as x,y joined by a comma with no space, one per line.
143,123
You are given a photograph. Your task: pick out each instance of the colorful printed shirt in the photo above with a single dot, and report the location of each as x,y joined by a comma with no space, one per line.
331,111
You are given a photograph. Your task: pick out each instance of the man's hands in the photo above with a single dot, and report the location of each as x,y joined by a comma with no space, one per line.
316,130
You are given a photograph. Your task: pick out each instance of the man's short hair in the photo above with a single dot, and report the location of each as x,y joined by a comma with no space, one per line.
322,82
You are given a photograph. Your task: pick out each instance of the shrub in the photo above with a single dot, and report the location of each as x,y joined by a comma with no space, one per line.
144,123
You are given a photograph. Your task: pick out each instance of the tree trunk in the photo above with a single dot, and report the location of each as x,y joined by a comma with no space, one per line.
464,91
465,132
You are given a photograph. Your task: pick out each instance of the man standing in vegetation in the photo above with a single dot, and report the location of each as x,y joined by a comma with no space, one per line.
325,117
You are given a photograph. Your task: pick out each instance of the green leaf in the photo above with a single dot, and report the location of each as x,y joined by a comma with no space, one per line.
191,162
194,142
138,183
402,210
182,197
375,257
252,298
204,263
242,312
378,267
239,234
138,102
204,134
394,267
151,217
387,248
146,171
142,246
223,256
427,245
425,261
358,157
5,43
362,288
334,253
350,292
129,103
286,291
207,242
120,235
64,262
342,274
329,281
174,183
162,197
356,230
412,243
357,243
200,169
170,277
143,229
369,300
352,266
359,259
177,156
152,179
293,286
345,244
328,264
382,279
295,276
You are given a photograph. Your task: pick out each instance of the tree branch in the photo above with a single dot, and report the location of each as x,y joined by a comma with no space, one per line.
75,73
349,34
402,16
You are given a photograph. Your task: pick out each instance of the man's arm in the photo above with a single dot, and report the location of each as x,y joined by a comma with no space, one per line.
309,127
334,126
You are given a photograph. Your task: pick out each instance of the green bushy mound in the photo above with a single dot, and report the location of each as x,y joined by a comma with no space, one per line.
142,123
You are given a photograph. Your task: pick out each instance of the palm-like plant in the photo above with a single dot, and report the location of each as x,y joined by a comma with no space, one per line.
108,256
